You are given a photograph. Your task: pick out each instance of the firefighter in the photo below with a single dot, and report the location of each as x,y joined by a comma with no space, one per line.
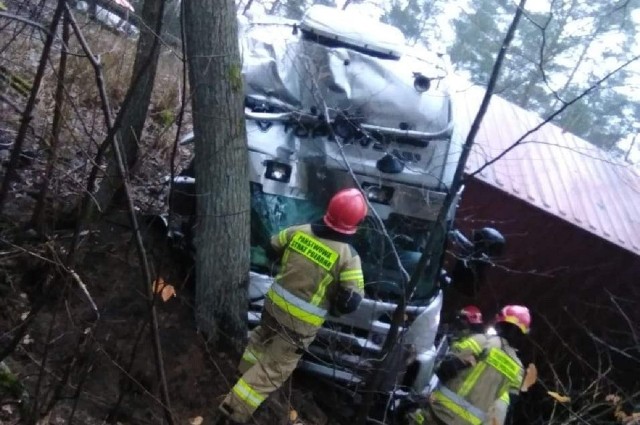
481,375
468,321
320,274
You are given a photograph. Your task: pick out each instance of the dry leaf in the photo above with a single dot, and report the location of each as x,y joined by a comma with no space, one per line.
165,290
198,420
559,398
293,415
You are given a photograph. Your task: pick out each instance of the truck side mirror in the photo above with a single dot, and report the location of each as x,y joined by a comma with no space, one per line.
475,257
488,242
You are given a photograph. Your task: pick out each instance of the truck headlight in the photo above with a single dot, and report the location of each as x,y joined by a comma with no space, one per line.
421,83
278,171
378,194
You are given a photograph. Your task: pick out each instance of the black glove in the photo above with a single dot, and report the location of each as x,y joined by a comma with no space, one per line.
345,301
272,255
450,367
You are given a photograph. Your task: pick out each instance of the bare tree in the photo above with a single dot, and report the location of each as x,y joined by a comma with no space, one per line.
134,114
222,263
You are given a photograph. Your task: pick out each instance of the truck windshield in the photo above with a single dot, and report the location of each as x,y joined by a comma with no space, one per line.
271,213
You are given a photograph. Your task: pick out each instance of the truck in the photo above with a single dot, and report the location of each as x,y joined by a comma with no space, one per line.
333,101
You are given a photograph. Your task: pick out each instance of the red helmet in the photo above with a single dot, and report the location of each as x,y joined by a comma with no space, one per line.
471,314
346,210
517,315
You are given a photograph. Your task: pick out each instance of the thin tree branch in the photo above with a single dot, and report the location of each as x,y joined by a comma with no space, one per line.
552,116
37,218
438,231
144,263
34,24
183,105
10,102
27,116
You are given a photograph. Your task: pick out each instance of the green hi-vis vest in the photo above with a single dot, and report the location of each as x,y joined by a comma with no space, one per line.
490,379
309,266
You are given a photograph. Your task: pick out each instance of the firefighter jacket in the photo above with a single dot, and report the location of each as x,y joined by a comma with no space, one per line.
312,269
479,390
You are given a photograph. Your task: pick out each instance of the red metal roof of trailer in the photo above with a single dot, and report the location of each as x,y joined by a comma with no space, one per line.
552,169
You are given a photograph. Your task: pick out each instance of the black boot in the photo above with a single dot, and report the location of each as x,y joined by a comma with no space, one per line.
224,420
223,416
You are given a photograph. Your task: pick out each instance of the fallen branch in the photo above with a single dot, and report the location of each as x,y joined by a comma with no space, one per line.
84,289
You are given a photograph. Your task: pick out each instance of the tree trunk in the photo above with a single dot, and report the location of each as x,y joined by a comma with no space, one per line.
135,113
222,262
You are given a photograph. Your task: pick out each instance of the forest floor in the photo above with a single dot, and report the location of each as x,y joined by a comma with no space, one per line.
70,366
65,336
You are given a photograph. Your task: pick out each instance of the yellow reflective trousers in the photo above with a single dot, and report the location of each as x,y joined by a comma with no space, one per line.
271,356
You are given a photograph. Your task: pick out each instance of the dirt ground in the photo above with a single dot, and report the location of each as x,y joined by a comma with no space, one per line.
100,351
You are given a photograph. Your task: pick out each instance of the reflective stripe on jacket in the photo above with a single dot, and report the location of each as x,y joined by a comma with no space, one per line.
310,269
466,398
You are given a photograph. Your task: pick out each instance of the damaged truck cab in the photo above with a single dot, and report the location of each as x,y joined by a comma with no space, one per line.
335,102
339,101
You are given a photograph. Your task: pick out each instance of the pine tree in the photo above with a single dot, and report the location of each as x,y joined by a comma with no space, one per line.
551,61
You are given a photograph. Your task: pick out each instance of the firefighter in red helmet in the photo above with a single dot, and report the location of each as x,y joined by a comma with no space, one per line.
480,376
320,274
468,320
